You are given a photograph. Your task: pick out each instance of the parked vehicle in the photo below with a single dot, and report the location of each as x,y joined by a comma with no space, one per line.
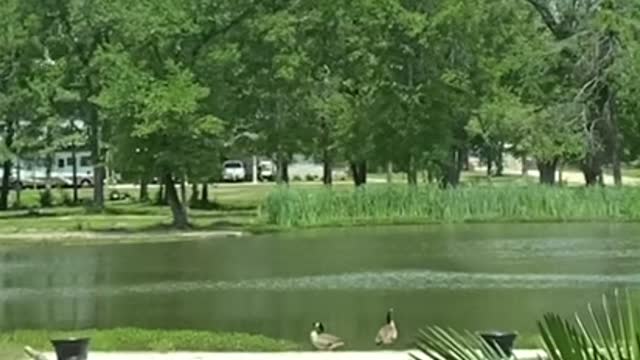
28,173
266,170
233,170
63,167
34,173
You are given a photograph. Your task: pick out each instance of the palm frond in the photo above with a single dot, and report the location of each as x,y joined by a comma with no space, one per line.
448,344
613,336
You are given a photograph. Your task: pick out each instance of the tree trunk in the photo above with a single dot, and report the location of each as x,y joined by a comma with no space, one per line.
359,171
525,168
195,194
432,169
97,156
547,171
353,166
161,194
464,159
412,172
144,189
205,193
453,169
362,171
98,186
6,185
500,160
560,173
617,167
354,172
48,170
7,166
327,168
74,169
183,193
489,163
607,103
592,170
389,172
283,169
18,184
180,219
614,137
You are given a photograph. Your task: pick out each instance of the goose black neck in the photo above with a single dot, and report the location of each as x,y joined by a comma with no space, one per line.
388,317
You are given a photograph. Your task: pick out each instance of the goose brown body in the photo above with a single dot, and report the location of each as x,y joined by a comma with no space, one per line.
388,333
323,341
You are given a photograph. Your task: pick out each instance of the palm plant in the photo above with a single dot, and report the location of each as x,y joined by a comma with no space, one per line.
448,344
610,336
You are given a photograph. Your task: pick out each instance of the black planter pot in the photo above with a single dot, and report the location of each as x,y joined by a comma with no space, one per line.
71,349
500,340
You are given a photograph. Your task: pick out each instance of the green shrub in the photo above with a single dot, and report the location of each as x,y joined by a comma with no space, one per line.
65,198
45,199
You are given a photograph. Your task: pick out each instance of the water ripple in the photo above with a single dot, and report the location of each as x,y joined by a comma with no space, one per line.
386,280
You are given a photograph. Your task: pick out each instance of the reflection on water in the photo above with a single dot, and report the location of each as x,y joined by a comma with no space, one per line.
475,277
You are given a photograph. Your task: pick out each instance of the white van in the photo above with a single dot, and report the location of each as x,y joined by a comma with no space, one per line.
266,170
233,170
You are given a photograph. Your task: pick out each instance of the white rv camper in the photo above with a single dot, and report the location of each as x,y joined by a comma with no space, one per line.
33,172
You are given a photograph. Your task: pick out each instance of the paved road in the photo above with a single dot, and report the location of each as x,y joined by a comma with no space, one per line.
569,176
574,177
338,355
250,184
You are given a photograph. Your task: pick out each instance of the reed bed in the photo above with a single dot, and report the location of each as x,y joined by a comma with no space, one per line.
389,204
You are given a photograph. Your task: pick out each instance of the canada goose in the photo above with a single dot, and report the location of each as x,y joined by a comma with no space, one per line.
388,333
322,340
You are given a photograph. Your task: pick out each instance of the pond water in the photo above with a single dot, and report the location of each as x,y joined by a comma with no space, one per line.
476,277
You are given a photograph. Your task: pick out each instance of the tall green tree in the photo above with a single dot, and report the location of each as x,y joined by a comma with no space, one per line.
19,54
590,35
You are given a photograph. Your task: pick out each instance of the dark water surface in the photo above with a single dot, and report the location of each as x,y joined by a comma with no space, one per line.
472,276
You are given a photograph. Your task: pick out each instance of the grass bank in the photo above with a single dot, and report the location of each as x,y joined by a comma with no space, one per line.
425,204
235,208
132,339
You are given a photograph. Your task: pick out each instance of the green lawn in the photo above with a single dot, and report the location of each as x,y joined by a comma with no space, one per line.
631,172
11,352
133,339
236,207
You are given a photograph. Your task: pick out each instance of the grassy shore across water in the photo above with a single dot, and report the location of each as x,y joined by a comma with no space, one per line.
250,208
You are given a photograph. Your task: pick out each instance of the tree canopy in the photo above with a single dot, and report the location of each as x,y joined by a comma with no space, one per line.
166,86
